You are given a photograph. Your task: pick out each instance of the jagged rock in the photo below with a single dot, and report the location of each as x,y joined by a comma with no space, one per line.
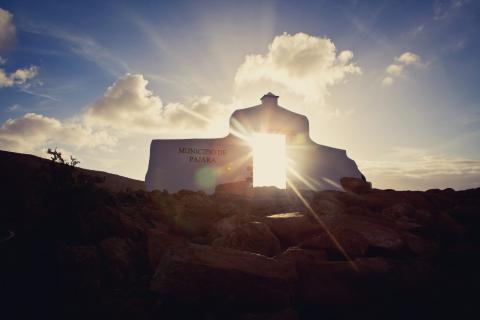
253,237
355,185
239,188
80,271
201,274
158,243
328,206
106,222
424,248
118,258
337,283
291,228
406,216
300,255
377,235
196,214
227,225
448,226
351,242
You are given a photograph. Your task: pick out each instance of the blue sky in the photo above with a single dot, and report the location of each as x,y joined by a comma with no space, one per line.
400,95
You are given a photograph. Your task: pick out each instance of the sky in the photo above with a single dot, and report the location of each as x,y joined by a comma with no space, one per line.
395,83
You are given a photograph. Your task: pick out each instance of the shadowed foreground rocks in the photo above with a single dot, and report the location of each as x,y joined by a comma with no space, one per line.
92,253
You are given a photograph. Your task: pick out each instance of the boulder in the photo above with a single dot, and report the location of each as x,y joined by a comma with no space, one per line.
119,261
223,278
106,222
345,242
253,237
80,271
406,217
355,185
328,206
227,225
378,235
303,256
343,282
158,243
424,248
194,213
239,188
291,228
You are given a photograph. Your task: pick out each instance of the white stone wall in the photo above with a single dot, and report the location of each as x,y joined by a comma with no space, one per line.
201,164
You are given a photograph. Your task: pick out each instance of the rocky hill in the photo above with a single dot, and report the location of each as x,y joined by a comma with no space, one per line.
76,250
18,168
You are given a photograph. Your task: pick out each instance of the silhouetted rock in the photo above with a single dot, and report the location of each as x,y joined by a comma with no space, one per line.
303,256
291,228
196,213
239,188
119,261
253,237
80,271
355,185
336,283
378,235
86,253
227,225
230,278
158,243
341,241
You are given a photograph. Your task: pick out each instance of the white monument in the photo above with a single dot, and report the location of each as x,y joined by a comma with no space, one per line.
267,146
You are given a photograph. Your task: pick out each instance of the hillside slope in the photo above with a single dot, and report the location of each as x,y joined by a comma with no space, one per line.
18,168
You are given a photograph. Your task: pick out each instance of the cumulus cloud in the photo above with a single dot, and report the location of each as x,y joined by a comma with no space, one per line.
33,131
19,77
395,69
7,30
128,105
404,62
305,65
127,108
388,81
409,58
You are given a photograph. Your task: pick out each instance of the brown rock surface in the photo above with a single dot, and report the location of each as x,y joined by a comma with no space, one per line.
291,228
201,274
253,237
355,185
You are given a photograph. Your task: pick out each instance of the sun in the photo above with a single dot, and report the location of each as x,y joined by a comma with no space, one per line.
269,160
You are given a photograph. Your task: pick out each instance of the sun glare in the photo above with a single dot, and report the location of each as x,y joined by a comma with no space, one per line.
269,160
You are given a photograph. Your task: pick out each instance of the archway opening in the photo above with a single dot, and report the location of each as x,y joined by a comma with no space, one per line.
269,160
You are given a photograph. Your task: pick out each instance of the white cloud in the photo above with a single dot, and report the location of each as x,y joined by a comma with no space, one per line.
127,108
305,65
388,81
409,58
128,105
406,61
33,131
2,60
395,69
7,30
17,78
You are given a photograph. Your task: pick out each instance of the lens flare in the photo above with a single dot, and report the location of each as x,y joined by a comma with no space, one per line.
269,160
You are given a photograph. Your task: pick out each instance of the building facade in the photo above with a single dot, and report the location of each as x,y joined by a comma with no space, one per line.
266,143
